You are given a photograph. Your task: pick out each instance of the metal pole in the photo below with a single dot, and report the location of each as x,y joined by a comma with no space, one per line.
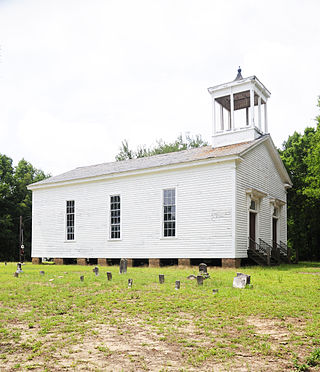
20,234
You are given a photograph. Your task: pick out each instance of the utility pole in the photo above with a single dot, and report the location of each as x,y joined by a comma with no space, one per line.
21,246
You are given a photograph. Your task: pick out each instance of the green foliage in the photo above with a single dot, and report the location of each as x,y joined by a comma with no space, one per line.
15,201
160,148
301,156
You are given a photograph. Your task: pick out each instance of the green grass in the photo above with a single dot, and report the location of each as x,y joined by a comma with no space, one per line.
46,318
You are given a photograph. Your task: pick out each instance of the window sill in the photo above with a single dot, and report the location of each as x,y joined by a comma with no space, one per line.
169,238
70,241
114,240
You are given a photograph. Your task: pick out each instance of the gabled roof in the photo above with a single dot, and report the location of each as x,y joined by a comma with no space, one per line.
148,163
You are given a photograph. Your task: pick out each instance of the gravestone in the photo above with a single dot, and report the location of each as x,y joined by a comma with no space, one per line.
81,278
161,278
200,280
96,270
239,282
130,282
177,286
215,291
109,275
5,264
248,277
41,272
123,265
203,268
191,277
16,275
19,269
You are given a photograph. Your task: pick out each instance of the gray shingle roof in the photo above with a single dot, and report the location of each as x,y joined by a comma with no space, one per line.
201,153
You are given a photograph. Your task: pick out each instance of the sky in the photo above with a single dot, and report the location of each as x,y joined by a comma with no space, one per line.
79,77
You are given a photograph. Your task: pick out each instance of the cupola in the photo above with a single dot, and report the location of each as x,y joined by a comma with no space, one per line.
239,110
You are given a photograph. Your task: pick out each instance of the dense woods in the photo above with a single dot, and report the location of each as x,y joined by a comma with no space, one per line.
301,156
15,201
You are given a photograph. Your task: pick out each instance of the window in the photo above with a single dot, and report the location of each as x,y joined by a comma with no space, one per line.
70,219
115,217
253,205
169,212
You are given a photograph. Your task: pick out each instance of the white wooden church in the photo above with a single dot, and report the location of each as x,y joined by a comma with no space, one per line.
224,202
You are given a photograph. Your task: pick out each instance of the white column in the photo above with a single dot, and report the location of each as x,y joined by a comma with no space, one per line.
265,119
251,107
231,112
214,115
259,112
221,118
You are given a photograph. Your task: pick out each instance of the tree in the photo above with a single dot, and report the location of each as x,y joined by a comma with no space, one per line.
15,201
161,147
301,156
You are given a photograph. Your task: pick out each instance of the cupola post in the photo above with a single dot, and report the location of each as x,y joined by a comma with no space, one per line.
239,110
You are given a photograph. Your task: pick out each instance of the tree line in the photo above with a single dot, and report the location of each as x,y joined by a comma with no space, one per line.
16,201
300,154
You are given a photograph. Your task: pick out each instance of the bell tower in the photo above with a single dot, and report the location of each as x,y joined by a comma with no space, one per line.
239,110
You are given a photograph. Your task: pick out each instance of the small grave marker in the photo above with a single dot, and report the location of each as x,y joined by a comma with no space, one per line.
248,277
96,270
19,268
161,278
215,291
191,277
123,265
81,278
109,275
5,264
239,282
203,268
16,275
130,282
200,280
41,272
177,286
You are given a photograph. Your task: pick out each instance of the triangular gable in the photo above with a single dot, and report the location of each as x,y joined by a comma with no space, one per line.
274,154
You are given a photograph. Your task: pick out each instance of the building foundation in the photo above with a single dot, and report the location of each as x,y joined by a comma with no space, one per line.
231,262
154,262
130,262
58,261
81,261
36,260
102,262
184,262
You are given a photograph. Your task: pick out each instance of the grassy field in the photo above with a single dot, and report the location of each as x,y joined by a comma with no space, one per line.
55,322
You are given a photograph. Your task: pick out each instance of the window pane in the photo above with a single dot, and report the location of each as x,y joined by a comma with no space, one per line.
169,212
70,209
115,217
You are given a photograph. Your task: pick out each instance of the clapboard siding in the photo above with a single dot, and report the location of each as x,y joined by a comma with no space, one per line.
204,216
257,170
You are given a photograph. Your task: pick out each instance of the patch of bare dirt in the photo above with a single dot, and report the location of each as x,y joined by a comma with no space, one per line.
133,346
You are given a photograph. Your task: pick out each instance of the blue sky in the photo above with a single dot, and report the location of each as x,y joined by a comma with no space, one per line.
78,77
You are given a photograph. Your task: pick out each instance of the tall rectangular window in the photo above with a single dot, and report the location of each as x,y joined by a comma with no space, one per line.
115,213
70,219
169,212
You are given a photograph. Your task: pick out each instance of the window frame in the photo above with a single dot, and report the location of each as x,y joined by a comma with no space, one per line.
162,214
110,218
66,221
